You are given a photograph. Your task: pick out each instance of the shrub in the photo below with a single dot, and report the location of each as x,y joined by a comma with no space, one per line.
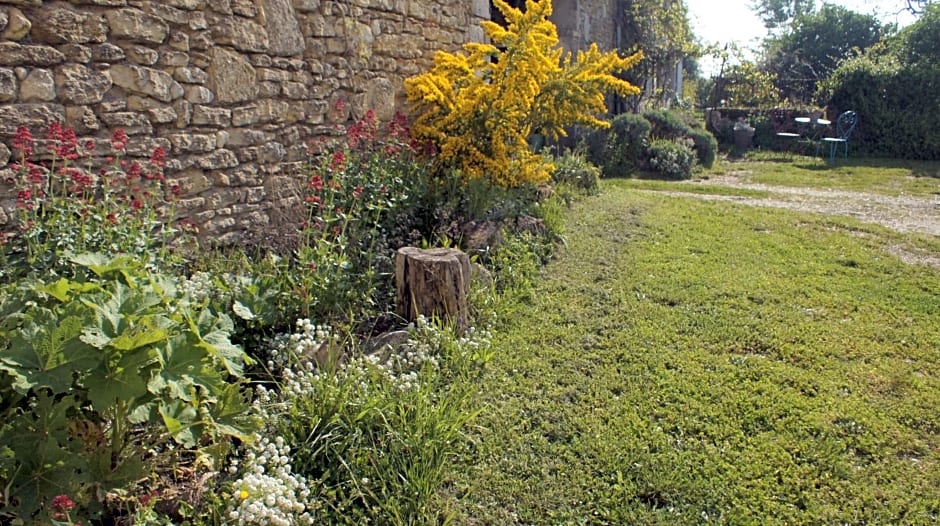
666,124
706,146
625,146
575,170
671,159
481,108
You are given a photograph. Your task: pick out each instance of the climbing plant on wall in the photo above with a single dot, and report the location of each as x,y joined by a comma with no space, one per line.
481,107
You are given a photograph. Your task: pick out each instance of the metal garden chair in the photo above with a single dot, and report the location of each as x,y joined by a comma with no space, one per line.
845,125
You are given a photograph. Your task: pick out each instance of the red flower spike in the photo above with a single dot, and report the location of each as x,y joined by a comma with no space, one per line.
62,503
119,139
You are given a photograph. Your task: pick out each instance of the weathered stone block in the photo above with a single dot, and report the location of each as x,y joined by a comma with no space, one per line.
179,41
231,77
77,84
144,146
76,53
60,25
208,116
295,90
191,5
163,115
171,58
136,25
192,142
131,122
269,89
155,83
5,154
280,21
307,6
8,85
142,55
81,119
190,75
217,160
38,86
13,54
198,94
246,137
107,52
17,25
240,33
245,8
37,117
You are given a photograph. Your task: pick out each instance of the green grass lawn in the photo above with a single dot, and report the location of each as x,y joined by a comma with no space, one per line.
882,176
690,362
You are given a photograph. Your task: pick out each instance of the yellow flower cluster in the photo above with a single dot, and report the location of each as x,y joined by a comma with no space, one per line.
481,107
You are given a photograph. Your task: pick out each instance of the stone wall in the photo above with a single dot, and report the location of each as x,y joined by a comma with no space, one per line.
231,89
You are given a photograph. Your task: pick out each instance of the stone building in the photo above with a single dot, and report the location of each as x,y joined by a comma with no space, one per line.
231,89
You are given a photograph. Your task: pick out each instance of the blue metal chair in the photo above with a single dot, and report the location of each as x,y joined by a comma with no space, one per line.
845,125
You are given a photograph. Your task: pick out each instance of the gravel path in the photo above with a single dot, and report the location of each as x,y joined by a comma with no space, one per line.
904,214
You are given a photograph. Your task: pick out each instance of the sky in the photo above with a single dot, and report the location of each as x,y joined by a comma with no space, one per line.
723,21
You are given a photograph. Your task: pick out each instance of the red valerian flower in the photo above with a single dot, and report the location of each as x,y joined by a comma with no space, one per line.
158,157
23,141
339,159
62,503
357,192
316,183
176,190
134,171
119,140
137,204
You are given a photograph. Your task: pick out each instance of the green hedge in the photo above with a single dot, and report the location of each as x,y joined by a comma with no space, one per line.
898,107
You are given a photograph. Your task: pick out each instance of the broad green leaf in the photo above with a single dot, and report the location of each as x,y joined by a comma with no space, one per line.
242,311
145,331
179,418
230,413
213,332
46,351
59,290
181,367
124,381
103,265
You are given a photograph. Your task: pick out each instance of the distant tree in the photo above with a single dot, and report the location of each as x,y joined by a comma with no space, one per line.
780,13
814,44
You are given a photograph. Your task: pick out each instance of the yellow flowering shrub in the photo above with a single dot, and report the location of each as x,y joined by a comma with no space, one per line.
481,106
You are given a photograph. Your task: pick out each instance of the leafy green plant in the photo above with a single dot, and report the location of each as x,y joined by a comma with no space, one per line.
574,170
99,375
671,159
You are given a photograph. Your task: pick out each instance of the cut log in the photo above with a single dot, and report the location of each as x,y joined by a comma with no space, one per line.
434,283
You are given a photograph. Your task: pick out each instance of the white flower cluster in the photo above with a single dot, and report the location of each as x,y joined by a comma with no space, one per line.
267,492
302,343
198,286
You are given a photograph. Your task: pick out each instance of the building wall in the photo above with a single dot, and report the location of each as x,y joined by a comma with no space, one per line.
583,22
231,89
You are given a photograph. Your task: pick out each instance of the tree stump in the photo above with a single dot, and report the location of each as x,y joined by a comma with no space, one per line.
433,282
